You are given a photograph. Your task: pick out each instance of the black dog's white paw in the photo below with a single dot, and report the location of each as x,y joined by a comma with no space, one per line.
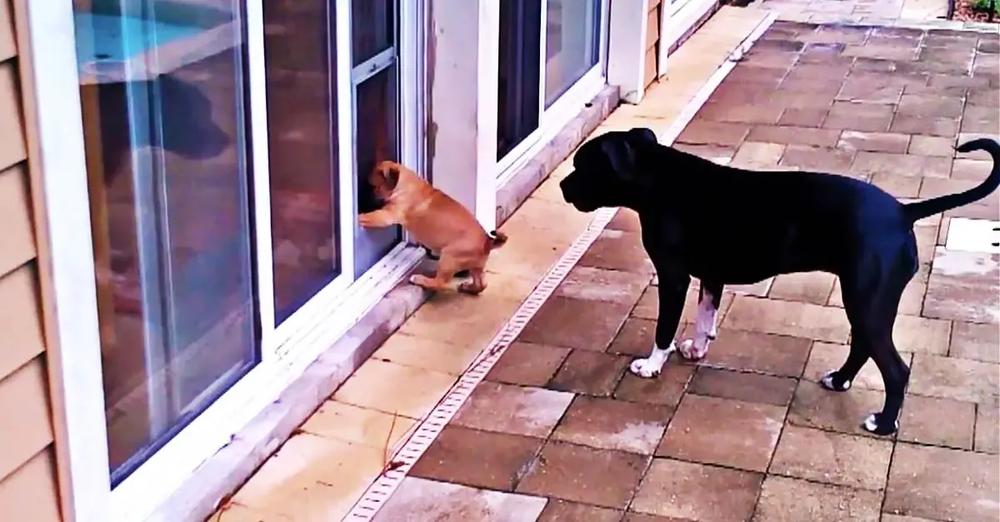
879,426
692,351
652,366
833,382
645,368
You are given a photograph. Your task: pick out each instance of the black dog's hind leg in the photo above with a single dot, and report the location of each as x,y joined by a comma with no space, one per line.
841,380
871,309
672,290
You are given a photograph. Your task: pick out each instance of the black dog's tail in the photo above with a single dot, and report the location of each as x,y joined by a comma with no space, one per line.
922,209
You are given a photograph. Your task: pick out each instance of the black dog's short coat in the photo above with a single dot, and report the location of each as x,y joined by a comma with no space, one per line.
726,225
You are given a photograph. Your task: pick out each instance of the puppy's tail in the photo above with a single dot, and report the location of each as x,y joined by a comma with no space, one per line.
497,239
922,209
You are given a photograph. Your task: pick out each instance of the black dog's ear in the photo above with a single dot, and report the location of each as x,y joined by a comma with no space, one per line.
621,156
642,135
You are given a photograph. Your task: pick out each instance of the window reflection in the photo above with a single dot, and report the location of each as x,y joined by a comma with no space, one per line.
162,92
520,38
303,149
571,43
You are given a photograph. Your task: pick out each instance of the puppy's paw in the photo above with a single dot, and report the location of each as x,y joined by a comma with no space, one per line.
691,350
367,220
471,288
422,281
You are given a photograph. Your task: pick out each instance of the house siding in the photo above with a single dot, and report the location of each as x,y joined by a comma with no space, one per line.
28,489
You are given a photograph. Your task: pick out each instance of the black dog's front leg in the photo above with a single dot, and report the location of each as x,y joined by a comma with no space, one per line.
672,290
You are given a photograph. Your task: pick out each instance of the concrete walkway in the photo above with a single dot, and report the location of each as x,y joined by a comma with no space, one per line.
559,430
872,12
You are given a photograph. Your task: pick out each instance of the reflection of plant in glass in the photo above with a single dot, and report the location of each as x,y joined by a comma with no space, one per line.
984,5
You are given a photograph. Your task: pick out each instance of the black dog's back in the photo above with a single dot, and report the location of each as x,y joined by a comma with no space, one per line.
791,221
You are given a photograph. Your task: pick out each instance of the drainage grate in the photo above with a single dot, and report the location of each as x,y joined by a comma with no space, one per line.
973,235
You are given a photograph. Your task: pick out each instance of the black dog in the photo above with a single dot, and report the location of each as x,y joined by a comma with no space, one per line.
725,225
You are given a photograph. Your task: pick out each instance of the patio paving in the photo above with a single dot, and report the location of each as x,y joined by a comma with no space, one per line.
747,433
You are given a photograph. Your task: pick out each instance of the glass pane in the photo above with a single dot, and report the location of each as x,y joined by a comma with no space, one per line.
520,38
168,174
373,28
572,36
302,140
377,136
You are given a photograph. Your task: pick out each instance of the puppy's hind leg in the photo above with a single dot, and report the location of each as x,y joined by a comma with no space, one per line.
709,300
477,285
446,269
671,292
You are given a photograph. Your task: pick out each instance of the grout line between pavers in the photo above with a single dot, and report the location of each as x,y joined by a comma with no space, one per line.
767,471
975,424
888,469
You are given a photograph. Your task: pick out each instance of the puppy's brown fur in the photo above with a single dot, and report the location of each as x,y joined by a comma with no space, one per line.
434,220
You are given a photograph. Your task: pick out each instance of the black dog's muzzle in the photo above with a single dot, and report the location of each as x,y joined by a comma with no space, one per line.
571,190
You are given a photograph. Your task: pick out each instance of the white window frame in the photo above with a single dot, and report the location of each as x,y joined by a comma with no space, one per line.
59,179
553,118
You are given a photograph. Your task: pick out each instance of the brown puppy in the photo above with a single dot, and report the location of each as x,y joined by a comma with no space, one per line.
434,220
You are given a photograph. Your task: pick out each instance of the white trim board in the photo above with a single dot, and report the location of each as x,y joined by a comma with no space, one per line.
627,47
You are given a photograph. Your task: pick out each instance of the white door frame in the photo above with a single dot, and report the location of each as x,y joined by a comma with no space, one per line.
59,188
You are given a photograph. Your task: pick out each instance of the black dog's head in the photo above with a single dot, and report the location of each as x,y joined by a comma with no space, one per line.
606,170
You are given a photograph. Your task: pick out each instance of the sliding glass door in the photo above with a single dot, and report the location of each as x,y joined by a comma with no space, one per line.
225,180
303,147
